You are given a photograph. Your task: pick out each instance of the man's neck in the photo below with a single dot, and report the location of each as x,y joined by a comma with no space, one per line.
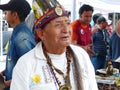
83,24
15,23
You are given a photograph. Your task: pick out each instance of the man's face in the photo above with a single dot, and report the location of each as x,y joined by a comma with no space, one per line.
9,16
85,17
57,33
105,24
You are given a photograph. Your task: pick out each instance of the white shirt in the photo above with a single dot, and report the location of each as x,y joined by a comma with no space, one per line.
34,63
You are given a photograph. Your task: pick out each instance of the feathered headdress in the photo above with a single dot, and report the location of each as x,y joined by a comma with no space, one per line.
47,10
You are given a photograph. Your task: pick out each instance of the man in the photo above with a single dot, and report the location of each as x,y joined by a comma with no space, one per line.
114,50
22,40
95,20
82,28
114,46
100,43
54,64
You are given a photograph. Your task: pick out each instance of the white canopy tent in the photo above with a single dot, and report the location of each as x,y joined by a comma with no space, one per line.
105,5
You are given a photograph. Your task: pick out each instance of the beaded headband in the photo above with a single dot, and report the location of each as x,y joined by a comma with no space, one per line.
47,10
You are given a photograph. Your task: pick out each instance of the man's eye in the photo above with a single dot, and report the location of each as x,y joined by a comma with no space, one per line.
58,24
68,23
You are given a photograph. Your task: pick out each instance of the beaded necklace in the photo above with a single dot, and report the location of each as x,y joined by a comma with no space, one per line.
67,85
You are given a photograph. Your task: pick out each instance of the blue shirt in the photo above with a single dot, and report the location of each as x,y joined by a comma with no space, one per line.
99,43
114,50
22,41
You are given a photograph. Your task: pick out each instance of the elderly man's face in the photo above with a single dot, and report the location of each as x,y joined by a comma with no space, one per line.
57,33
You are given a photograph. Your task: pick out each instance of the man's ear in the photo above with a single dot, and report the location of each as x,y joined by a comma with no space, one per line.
40,33
15,14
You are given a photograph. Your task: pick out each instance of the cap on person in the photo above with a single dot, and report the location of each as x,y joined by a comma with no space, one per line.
109,22
101,19
22,7
47,10
96,16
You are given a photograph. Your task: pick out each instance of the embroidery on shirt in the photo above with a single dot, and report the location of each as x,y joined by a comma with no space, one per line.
46,71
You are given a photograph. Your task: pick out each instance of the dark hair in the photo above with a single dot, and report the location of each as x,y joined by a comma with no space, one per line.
85,7
22,7
21,17
96,16
101,19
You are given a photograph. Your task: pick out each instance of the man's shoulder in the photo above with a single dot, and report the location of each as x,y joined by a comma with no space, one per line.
77,48
30,54
23,31
76,22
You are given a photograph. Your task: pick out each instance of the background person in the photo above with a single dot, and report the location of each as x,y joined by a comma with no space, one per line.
114,50
54,64
95,20
81,28
100,45
109,27
22,40
114,46
95,17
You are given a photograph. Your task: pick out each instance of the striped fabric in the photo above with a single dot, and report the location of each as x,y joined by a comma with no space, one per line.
48,16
